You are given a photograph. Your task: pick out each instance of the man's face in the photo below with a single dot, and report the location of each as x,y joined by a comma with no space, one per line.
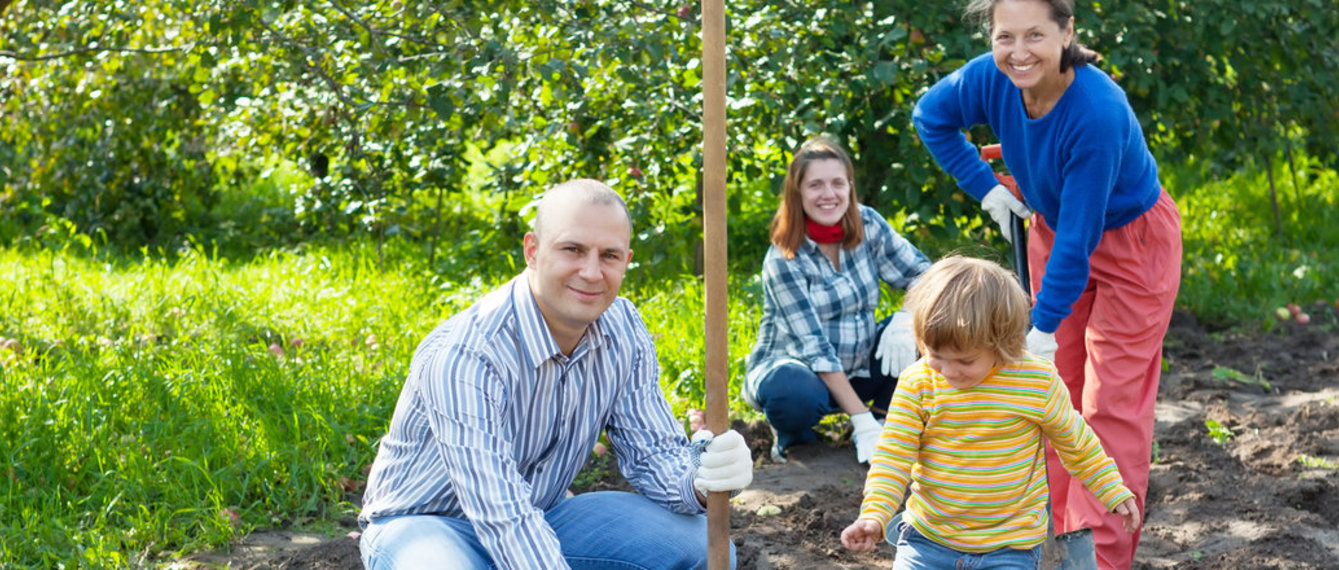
577,266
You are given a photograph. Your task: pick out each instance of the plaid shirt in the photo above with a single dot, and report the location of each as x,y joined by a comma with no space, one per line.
822,318
494,422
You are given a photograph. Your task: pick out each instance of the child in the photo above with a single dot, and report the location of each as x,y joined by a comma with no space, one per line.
965,430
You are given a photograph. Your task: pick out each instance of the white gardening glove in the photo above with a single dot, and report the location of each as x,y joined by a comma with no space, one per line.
999,203
1041,343
897,345
721,462
866,431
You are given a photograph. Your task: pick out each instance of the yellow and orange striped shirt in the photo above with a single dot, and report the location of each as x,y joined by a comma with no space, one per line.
975,458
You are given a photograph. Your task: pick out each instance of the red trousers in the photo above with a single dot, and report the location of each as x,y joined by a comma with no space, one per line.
1110,357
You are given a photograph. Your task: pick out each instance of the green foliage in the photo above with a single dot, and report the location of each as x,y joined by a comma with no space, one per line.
1236,268
113,139
148,401
674,311
1311,462
139,121
1224,79
1225,374
1219,432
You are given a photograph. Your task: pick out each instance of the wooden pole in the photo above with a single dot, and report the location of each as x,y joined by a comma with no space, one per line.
714,255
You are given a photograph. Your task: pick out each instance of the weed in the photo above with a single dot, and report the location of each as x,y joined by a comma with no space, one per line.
1317,462
1219,432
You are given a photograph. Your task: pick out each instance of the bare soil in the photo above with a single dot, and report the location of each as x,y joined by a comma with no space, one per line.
1264,496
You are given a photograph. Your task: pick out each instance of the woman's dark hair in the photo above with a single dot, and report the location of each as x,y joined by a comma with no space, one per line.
982,12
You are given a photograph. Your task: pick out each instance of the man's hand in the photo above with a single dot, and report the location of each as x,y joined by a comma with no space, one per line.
862,535
1129,512
1041,343
897,345
865,431
723,462
999,203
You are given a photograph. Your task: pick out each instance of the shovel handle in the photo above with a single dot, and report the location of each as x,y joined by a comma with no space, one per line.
1016,226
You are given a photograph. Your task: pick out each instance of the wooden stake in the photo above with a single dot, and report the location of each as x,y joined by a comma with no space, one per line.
714,254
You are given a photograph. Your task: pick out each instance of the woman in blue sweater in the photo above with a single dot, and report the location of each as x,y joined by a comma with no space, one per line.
1104,239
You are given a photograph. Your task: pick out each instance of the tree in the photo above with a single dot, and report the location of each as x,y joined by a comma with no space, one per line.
135,119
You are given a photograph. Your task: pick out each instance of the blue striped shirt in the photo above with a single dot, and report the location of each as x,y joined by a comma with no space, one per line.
823,318
494,423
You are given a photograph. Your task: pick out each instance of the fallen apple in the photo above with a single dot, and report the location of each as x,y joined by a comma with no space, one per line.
1303,318
1283,313
1294,308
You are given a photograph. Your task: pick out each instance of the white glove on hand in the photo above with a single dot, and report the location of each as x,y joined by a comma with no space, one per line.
897,346
721,462
1041,343
999,203
866,431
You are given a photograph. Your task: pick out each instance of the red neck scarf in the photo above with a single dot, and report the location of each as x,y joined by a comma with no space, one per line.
824,234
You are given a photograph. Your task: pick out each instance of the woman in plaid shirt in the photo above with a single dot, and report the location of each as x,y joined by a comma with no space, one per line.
814,353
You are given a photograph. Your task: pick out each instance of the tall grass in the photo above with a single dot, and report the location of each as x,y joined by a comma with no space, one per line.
1238,263
147,403
157,404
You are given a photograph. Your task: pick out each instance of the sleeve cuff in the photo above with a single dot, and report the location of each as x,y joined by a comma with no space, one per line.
689,495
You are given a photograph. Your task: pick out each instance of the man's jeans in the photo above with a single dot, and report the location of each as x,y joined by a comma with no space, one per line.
603,530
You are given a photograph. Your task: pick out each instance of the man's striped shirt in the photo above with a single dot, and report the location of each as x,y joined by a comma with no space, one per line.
494,423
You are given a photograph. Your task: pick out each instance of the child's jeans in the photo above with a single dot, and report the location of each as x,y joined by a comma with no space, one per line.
915,552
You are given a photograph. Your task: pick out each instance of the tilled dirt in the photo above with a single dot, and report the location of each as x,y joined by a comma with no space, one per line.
1263,493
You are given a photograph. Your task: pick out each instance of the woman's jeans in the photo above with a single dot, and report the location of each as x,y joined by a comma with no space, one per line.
795,399
602,530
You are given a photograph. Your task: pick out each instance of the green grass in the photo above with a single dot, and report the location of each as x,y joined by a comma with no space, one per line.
154,394
148,397
1238,264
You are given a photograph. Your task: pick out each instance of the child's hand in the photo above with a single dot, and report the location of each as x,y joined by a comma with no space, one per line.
862,535
1129,511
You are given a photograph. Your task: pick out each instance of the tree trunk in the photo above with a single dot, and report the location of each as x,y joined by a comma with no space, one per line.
1292,168
1273,194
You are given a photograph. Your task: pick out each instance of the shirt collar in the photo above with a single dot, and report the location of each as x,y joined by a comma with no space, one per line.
537,343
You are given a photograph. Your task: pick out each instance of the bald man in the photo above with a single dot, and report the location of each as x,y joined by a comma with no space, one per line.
504,401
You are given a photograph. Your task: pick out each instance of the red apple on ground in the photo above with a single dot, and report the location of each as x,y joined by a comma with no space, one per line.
1294,309
1303,318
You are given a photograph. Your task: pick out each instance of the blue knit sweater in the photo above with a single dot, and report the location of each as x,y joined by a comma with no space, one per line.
1084,166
